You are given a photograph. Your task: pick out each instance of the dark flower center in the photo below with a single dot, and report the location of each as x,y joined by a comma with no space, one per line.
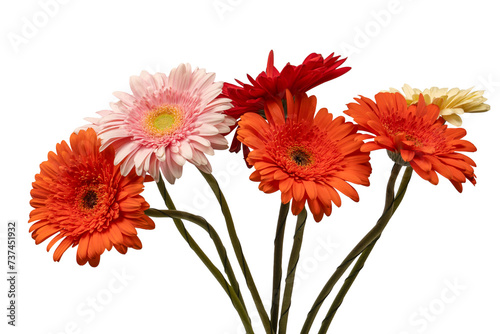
89,200
301,157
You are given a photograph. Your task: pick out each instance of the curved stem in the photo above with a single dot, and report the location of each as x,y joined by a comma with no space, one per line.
200,221
278,259
212,182
292,266
345,288
364,256
403,186
194,246
372,235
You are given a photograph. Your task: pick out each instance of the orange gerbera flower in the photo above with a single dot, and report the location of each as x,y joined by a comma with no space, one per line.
306,157
81,197
414,135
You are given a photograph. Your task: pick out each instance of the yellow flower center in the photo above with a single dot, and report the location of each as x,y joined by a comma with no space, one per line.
163,120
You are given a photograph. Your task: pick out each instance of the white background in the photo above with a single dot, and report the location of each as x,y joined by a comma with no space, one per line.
66,69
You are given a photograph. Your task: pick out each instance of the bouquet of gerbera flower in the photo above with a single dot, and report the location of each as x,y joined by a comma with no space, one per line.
88,192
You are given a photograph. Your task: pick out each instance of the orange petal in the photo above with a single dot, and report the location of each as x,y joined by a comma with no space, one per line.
298,191
315,208
310,189
298,206
82,251
286,184
115,234
94,262
286,197
133,242
127,227
407,155
54,240
274,113
63,246
345,188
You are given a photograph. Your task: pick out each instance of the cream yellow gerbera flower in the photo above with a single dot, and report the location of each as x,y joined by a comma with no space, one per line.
451,102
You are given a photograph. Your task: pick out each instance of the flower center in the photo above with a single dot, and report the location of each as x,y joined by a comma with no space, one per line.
89,199
163,120
300,156
415,140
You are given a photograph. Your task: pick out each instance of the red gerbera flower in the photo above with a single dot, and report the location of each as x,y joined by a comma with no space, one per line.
81,197
415,136
306,157
272,84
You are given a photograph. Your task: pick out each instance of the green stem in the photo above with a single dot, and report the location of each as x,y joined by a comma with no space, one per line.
212,182
345,288
200,221
372,235
292,266
403,186
364,256
278,258
185,234
182,229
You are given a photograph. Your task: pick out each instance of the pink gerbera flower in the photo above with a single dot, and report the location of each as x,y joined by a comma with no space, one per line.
166,122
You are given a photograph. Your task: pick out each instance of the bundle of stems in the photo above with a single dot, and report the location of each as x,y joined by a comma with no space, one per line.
276,321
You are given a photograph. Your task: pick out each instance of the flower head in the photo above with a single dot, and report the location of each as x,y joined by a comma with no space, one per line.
272,84
307,157
451,102
415,135
80,197
166,122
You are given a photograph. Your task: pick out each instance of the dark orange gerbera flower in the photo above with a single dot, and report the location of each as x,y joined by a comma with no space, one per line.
306,157
81,197
415,136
